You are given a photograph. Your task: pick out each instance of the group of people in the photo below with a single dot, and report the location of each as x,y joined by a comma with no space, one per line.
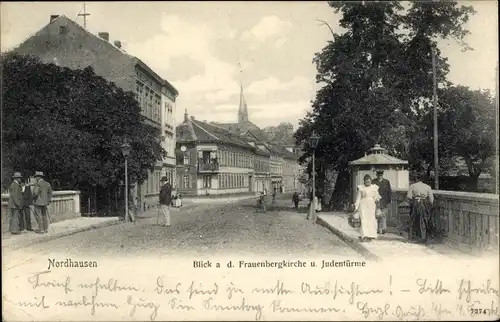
25,198
374,197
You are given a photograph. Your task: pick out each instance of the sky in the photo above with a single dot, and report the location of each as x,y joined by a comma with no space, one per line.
199,46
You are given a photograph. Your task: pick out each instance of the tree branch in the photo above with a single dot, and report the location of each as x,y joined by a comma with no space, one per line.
326,23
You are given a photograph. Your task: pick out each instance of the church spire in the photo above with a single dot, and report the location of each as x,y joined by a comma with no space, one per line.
242,110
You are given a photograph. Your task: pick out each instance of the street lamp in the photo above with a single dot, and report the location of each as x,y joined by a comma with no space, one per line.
313,142
126,152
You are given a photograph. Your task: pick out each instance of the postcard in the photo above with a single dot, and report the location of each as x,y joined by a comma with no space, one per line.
250,161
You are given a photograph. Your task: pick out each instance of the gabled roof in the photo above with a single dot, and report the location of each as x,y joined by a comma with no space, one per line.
193,130
62,19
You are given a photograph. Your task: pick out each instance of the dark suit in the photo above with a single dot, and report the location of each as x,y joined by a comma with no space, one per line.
385,192
165,201
15,205
166,194
42,193
25,218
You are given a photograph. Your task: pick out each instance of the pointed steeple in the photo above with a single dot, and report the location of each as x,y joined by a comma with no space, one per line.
242,110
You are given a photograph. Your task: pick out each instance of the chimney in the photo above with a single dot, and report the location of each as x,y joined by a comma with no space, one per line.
53,17
192,117
104,35
118,44
186,118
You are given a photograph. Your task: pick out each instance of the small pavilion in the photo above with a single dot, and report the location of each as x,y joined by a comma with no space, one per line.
395,170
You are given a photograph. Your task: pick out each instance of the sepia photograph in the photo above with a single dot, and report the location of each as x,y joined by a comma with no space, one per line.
250,161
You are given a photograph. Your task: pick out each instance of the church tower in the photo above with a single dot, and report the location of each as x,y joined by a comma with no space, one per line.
242,111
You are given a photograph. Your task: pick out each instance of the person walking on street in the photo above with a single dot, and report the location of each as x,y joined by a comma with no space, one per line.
295,200
25,216
421,199
385,192
166,199
15,203
42,193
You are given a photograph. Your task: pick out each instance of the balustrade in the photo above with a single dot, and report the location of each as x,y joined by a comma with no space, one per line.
469,220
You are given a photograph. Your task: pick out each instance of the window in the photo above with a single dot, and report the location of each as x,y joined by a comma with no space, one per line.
187,182
207,181
63,30
186,158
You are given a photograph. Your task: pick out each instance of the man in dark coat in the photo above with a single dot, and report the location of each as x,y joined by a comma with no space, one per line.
42,193
15,203
296,199
25,217
166,199
385,192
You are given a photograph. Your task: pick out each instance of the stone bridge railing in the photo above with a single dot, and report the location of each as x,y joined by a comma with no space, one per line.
469,220
64,205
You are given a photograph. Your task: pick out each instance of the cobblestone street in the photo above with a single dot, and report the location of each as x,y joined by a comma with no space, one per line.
233,228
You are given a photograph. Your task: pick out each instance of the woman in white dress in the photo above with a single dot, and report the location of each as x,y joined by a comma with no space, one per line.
366,205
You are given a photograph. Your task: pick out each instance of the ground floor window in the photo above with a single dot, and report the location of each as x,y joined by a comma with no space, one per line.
186,182
207,181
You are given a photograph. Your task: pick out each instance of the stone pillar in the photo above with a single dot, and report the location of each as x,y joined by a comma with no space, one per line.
76,200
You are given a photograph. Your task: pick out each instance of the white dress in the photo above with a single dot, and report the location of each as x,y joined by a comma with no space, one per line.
366,206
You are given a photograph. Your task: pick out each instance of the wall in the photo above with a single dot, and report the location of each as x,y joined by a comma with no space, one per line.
470,220
399,179
65,205
77,49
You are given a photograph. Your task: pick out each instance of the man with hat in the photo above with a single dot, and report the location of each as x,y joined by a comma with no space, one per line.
165,199
15,203
385,192
42,194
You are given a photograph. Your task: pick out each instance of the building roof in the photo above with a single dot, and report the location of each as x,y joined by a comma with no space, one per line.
194,130
39,46
378,156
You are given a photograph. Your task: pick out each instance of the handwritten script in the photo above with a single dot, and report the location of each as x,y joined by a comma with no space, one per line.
161,298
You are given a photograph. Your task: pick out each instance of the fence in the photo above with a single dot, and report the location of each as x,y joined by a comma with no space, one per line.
469,220
64,205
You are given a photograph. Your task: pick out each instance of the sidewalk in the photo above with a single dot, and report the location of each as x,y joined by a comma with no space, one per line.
385,246
57,230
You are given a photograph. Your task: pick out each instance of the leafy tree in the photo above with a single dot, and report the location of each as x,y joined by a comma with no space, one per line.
71,124
376,76
467,121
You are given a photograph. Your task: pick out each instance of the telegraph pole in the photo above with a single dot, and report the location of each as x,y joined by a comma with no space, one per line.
84,15
436,156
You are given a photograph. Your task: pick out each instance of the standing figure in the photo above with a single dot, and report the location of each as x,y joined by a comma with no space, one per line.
366,201
25,216
421,199
15,203
42,193
385,192
166,199
296,200
263,202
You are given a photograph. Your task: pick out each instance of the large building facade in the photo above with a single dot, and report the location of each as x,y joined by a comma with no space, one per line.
212,160
229,158
66,43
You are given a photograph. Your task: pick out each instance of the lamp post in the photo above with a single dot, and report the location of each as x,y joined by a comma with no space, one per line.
126,152
313,142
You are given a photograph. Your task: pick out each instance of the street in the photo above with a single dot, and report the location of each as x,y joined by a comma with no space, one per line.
211,228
